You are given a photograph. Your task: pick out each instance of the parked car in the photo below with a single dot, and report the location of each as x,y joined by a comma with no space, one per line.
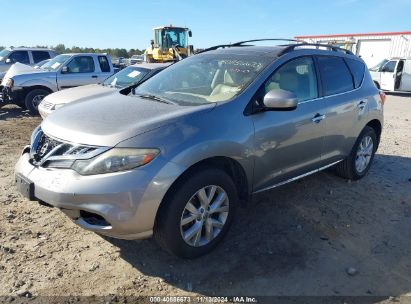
393,75
26,86
29,56
178,156
136,59
126,78
119,62
38,65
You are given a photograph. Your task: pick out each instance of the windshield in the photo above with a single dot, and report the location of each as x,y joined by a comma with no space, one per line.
126,77
378,67
3,54
171,37
204,78
56,62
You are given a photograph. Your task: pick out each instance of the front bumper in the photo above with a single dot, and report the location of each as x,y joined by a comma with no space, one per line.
15,95
128,201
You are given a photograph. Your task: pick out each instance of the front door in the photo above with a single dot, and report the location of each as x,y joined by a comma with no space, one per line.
388,75
81,70
289,143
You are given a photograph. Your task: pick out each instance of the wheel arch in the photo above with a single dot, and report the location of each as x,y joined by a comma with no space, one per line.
377,84
377,126
229,165
35,87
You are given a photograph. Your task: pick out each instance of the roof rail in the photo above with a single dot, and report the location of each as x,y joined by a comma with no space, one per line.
291,47
242,43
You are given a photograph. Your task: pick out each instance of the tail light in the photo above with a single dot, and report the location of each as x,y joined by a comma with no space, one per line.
383,97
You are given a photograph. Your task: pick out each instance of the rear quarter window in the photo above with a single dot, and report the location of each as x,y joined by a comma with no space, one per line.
357,70
335,76
104,65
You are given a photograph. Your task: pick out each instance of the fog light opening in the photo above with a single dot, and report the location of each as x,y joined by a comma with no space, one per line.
93,219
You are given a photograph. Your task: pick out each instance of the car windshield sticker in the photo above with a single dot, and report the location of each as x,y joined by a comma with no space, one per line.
56,65
134,74
113,83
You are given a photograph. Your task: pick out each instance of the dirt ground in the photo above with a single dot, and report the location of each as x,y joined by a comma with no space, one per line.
297,240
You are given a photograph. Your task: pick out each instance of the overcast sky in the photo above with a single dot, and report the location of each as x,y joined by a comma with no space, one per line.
128,24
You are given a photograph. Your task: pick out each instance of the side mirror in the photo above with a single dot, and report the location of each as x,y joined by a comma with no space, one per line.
280,100
190,34
64,70
8,61
152,44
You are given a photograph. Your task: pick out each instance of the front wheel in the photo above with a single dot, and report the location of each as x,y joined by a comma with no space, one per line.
357,164
197,214
33,99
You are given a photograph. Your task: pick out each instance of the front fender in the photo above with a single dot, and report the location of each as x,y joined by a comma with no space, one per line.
48,83
187,142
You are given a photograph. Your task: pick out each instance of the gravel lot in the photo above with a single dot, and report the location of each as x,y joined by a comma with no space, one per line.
300,239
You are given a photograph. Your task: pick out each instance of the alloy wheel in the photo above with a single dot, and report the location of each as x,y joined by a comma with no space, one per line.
364,154
204,216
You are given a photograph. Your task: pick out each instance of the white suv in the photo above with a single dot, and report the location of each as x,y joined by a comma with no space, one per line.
29,56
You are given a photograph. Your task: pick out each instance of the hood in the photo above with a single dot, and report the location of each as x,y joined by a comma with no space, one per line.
18,69
111,119
79,93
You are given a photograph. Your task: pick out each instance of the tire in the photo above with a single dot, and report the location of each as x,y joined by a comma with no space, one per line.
33,99
348,168
168,231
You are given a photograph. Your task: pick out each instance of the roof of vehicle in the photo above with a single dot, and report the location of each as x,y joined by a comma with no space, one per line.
170,27
399,58
88,54
151,66
29,49
278,50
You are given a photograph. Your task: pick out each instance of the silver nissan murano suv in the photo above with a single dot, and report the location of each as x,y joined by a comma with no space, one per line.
179,154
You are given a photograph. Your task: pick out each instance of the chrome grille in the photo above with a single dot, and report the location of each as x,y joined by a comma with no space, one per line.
46,151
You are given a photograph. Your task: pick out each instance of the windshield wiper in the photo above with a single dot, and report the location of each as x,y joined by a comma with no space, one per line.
156,98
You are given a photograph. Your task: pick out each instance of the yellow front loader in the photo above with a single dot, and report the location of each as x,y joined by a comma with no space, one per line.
170,44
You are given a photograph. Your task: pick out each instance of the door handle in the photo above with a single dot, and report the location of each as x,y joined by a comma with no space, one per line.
94,76
361,105
318,117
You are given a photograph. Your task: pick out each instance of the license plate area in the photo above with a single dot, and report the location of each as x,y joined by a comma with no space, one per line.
25,187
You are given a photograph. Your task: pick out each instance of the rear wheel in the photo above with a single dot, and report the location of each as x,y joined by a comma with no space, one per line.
357,164
33,99
197,214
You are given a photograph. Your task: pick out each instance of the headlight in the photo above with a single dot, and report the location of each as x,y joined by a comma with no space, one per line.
9,83
114,160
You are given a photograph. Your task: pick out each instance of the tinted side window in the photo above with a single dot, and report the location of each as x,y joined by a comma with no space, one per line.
297,76
390,66
357,70
20,56
81,64
105,67
40,56
335,76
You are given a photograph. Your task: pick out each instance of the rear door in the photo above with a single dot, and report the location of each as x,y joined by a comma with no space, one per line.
289,143
345,104
81,70
388,75
40,56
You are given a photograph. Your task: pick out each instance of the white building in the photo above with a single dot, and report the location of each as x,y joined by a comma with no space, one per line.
372,47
